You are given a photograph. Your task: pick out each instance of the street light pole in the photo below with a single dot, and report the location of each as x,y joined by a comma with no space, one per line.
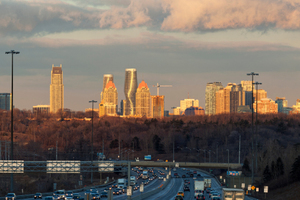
256,84
252,148
12,52
228,158
92,152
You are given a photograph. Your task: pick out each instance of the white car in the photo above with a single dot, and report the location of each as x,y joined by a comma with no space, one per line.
160,178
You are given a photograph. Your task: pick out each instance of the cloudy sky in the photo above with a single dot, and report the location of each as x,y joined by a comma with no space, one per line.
185,43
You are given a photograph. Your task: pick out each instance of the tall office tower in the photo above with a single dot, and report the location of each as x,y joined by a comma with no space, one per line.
296,108
142,100
247,93
106,79
265,106
246,85
110,99
229,98
261,94
281,102
5,101
130,90
157,106
210,97
187,103
56,90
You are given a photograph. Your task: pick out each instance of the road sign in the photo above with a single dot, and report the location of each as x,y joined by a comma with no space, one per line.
234,186
221,177
177,165
266,189
129,191
257,189
249,187
243,185
168,176
142,187
253,187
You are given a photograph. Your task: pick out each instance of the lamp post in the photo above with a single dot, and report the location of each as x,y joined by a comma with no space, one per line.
252,74
256,99
92,152
12,52
228,158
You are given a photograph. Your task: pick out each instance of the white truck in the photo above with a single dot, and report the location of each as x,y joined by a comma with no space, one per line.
121,183
132,180
199,187
233,194
145,174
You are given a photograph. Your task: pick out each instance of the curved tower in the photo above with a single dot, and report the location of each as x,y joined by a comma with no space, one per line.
130,90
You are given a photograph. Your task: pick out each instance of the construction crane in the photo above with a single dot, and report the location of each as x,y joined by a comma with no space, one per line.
158,86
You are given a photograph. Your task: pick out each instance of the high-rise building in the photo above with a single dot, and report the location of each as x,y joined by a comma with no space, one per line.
229,99
130,91
210,97
247,93
296,108
157,106
246,85
142,108
187,103
176,111
192,111
261,94
56,90
5,101
281,102
110,99
106,79
265,106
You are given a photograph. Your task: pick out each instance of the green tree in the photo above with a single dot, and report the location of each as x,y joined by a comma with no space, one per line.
267,175
295,172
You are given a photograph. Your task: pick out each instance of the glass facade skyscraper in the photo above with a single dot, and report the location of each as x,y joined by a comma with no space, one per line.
5,101
106,79
210,97
130,91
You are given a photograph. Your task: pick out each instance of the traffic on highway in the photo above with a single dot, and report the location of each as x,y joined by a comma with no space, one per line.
183,184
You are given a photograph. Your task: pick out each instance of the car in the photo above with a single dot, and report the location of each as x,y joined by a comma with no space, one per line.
180,193
186,188
178,197
214,194
10,196
93,190
38,195
208,190
199,175
124,189
160,178
49,198
191,175
116,192
200,196
104,194
183,168
76,196
186,181
216,198
69,194
195,172
59,194
174,169
183,176
95,196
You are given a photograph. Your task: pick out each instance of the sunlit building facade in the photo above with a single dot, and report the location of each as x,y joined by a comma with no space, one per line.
282,103
5,101
157,106
106,79
192,111
210,97
45,109
296,108
110,99
130,91
265,106
142,100
187,103
56,90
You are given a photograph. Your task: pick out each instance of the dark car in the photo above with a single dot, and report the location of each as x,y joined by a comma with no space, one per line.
76,196
10,196
199,175
191,175
38,195
95,196
183,176
116,192
200,196
186,188
178,197
104,194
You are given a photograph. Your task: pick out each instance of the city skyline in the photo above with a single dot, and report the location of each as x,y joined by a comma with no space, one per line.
92,38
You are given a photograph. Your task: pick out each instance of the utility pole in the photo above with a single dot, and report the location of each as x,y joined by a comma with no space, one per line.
256,124
92,152
252,146
239,149
12,52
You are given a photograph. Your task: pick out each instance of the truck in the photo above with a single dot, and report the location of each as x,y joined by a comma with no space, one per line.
199,187
145,174
233,194
121,183
132,180
207,182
